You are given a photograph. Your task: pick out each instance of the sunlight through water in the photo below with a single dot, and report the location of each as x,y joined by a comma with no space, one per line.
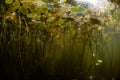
98,4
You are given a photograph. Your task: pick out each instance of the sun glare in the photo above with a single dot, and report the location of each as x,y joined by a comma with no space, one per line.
100,4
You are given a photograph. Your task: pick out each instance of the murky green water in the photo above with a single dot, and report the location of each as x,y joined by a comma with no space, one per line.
44,43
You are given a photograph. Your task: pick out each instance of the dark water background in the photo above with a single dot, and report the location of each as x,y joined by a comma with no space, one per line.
22,57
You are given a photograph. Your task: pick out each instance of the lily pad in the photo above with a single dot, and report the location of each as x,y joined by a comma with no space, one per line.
23,10
8,1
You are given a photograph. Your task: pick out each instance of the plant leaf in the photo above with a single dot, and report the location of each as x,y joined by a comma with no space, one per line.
77,9
8,1
23,10
47,1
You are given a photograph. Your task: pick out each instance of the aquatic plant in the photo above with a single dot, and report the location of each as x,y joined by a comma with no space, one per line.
41,36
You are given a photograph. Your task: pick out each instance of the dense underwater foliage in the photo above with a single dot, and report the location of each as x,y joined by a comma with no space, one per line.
52,40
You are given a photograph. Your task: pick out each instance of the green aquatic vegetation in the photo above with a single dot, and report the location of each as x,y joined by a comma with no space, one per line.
46,38
8,1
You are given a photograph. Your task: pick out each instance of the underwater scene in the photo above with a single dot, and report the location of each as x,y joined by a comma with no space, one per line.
59,39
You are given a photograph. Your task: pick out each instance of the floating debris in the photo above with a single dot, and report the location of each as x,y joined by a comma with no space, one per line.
100,61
